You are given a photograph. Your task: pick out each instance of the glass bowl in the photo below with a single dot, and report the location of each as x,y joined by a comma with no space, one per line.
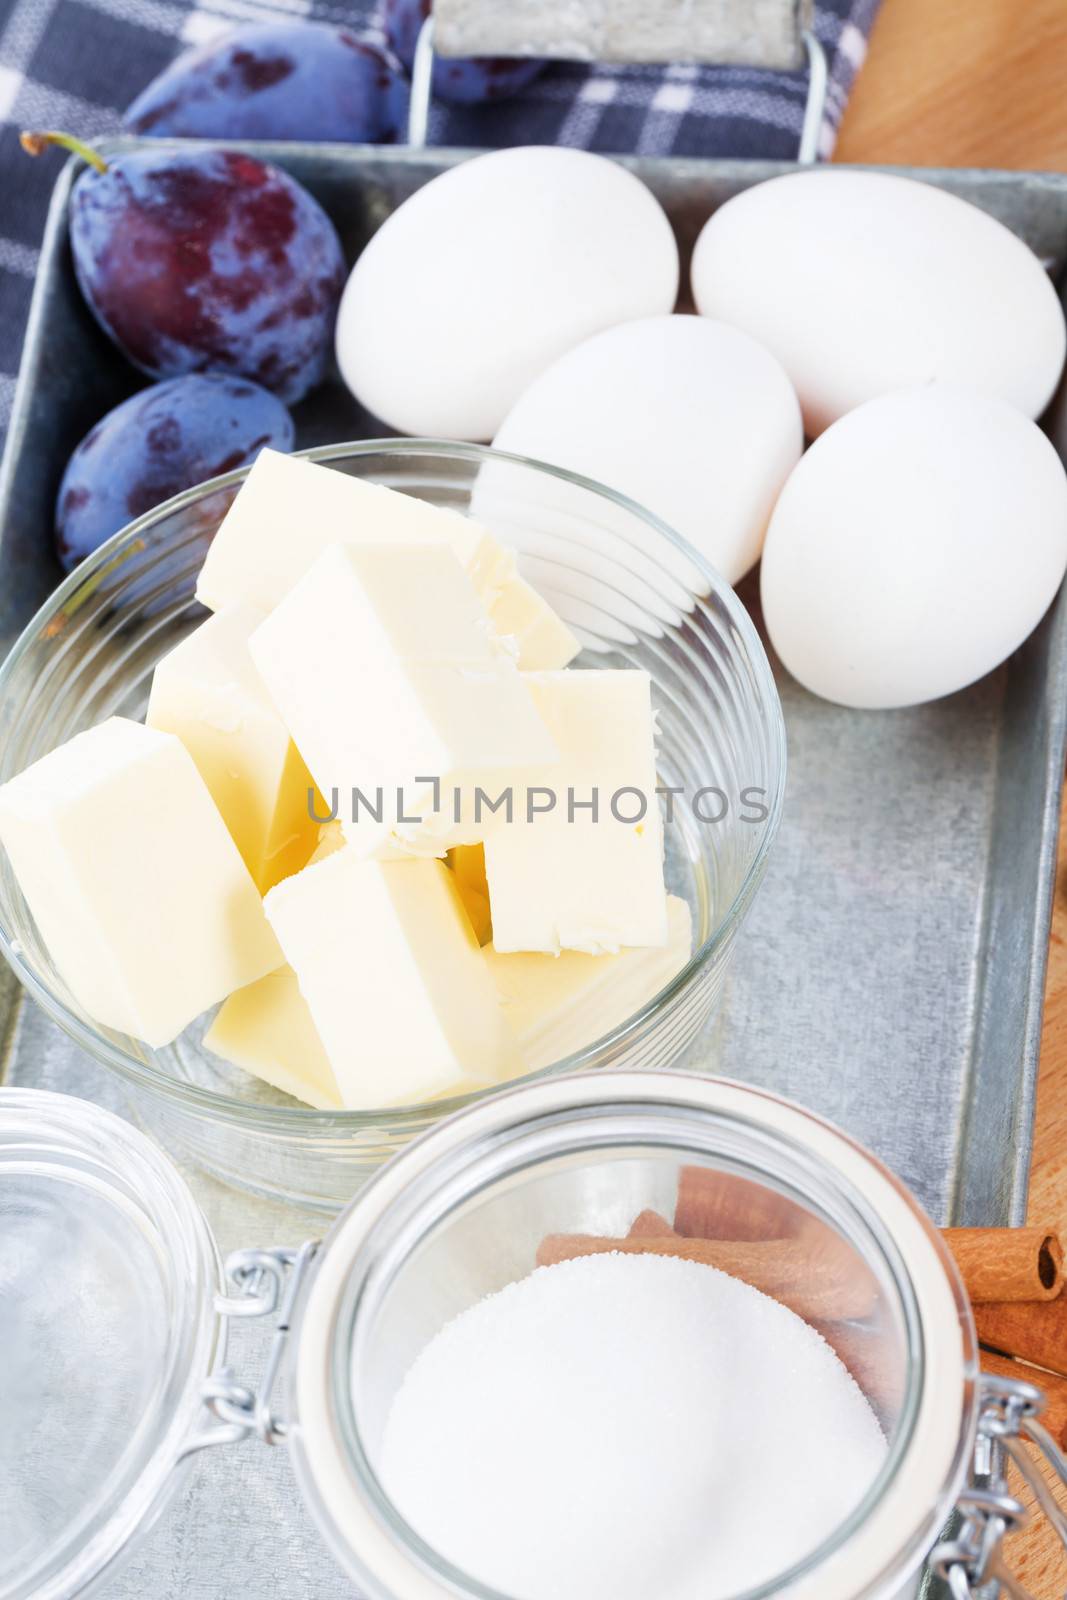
633,592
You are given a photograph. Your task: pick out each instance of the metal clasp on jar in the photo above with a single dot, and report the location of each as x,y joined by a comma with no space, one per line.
974,1557
264,1283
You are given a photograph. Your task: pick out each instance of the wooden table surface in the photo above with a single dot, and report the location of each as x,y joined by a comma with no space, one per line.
983,83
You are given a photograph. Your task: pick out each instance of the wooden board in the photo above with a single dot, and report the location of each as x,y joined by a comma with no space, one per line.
963,83
983,83
1035,1552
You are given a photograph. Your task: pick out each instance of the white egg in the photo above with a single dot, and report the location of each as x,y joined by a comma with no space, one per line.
917,544
862,282
487,274
690,418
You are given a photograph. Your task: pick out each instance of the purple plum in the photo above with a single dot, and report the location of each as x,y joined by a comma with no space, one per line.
277,80
464,82
165,439
208,261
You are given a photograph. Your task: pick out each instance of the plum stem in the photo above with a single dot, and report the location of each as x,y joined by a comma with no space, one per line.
35,144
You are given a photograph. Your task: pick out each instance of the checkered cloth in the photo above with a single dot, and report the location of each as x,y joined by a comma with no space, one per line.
75,64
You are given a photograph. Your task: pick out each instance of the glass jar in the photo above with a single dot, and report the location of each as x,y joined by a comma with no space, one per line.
108,1334
456,1216
636,595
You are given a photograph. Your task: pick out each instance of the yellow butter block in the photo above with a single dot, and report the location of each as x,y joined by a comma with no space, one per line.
556,1005
289,511
381,664
467,862
543,642
134,882
580,865
208,692
393,978
331,838
266,1029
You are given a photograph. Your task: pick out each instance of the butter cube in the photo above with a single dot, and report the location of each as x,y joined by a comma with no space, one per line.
266,1029
331,838
543,642
380,663
467,862
393,978
489,565
208,692
288,511
561,875
556,1005
137,889
539,640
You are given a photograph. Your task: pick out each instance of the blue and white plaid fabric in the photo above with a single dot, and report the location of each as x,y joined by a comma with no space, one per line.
76,64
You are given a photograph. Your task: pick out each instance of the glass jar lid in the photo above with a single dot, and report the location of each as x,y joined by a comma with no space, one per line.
108,1330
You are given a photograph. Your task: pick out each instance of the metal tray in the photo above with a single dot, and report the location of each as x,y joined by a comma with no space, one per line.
891,974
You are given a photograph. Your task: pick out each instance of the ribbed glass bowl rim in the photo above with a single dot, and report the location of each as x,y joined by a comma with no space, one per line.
304,1119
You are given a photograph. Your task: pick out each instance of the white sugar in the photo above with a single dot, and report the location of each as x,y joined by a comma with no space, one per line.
628,1426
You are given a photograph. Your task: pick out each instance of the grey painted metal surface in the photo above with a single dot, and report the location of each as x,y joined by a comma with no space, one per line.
891,974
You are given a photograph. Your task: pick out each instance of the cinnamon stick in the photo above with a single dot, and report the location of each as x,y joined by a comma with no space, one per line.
1034,1330
1007,1264
997,1264
719,1205
816,1279
650,1225
1054,1416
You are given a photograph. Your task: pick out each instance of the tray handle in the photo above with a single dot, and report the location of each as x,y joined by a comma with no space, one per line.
771,34
758,33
